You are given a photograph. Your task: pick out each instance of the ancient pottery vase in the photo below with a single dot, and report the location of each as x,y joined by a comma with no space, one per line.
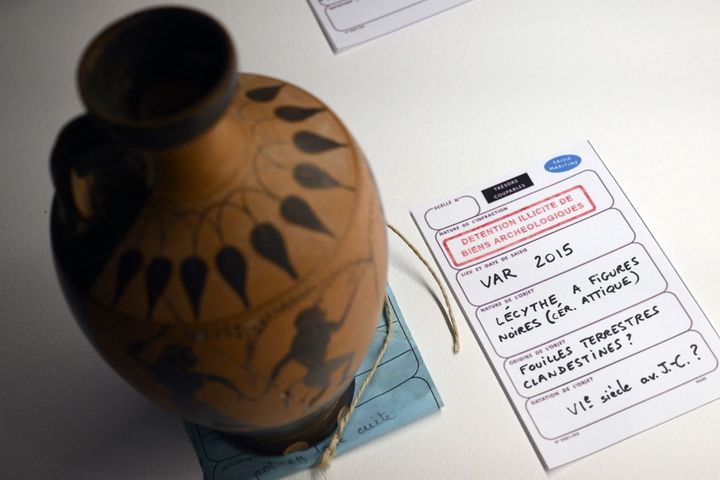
217,235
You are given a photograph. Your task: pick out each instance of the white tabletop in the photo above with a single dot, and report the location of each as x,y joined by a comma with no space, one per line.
455,100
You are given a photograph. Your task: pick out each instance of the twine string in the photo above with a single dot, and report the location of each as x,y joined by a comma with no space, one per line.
446,298
347,411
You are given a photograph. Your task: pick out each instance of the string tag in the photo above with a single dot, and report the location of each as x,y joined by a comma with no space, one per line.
346,412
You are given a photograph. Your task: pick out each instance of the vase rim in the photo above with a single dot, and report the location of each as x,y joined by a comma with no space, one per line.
193,44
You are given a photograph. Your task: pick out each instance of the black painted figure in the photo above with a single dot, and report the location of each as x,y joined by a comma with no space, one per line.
174,370
309,349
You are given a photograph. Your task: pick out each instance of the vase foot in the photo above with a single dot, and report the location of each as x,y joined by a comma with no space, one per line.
297,436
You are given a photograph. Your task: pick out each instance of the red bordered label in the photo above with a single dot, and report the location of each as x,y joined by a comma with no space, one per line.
517,227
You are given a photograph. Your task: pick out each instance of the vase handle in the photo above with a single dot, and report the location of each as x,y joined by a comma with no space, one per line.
93,174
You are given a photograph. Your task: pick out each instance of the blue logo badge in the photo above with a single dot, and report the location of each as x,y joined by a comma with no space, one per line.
563,163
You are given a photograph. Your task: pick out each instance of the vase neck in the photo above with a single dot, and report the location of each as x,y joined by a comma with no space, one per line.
202,168
159,78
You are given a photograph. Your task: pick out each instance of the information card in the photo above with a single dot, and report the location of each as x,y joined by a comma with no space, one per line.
347,23
588,326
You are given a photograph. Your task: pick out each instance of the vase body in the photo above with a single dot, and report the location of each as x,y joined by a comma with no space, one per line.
233,271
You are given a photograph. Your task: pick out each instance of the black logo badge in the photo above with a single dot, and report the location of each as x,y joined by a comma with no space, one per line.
508,187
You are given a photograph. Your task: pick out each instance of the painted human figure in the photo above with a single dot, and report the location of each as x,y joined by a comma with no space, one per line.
309,349
174,370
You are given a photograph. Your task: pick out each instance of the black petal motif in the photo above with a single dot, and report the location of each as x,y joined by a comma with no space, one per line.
269,243
233,268
264,94
311,176
296,210
295,114
156,278
310,142
193,273
128,266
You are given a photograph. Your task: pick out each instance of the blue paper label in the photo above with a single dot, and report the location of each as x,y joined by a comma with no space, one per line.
563,163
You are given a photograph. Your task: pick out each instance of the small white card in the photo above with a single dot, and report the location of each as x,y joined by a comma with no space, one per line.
347,23
588,326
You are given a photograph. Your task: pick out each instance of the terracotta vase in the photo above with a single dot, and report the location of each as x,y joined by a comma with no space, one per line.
218,235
